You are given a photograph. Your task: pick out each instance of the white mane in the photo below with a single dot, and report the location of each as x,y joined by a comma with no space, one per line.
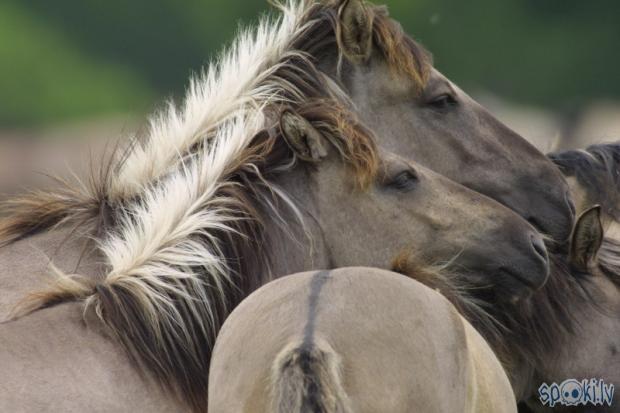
239,81
167,276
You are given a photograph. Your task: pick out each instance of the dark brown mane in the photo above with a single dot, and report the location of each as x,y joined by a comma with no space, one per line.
403,55
529,331
541,326
597,170
81,203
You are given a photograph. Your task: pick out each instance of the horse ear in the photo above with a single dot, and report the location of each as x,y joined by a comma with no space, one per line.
355,30
587,238
303,138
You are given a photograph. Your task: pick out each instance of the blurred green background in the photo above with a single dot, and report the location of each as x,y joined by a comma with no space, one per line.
62,60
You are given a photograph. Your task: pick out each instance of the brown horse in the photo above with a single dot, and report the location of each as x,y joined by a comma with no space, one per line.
591,352
353,340
449,132
140,205
353,52
258,204
569,329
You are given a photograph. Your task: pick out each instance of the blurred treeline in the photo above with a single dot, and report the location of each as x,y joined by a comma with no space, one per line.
66,59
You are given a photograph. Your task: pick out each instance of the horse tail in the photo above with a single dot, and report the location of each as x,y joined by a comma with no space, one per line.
306,378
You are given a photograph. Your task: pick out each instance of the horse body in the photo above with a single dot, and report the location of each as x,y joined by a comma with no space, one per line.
26,264
54,361
312,215
353,340
186,220
591,353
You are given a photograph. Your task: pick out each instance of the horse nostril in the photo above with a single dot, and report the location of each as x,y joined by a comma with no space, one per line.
539,246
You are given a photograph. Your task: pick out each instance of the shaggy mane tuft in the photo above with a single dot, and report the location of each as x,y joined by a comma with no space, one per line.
528,331
194,245
179,216
597,171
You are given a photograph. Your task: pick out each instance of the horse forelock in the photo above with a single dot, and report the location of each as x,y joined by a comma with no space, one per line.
597,171
403,54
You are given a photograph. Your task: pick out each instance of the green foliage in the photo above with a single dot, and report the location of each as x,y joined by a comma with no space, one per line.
43,78
558,53
71,58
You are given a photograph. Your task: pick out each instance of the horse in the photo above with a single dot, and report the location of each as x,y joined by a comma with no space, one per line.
353,52
258,204
304,56
591,352
593,175
548,341
353,340
548,337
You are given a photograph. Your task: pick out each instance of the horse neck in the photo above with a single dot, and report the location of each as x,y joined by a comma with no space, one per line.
295,240
601,319
578,353
540,330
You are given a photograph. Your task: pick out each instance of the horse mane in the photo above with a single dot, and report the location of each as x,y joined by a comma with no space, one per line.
272,64
528,331
542,325
194,245
179,215
597,171
452,285
73,201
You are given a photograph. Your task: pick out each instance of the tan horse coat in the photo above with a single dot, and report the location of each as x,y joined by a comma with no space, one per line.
52,361
353,340
25,265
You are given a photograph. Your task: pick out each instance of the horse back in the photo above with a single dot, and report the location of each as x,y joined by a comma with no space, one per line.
56,360
25,264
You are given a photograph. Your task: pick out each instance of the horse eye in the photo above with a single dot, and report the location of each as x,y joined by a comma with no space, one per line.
443,101
404,181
